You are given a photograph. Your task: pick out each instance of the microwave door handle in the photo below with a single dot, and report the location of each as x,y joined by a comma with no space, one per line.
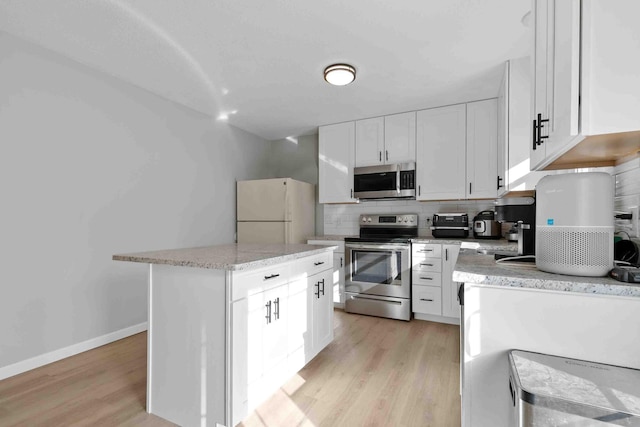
398,178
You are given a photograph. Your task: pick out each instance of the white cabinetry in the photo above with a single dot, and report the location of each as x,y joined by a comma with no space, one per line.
338,269
514,129
450,304
570,324
440,148
278,327
434,294
457,151
584,85
482,149
386,140
370,142
336,151
400,137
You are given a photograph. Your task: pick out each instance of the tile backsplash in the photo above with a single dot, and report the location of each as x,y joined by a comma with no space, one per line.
343,219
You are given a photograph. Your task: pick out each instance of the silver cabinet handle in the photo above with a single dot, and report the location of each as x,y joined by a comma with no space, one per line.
380,155
446,254
425,250
273,276
317,292
340,262
387,153
429,265
322,288
268,316
276,308
426,299
318,263
426,278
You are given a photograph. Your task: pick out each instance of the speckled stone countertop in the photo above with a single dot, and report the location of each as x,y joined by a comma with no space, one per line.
233,256
489,244
473,267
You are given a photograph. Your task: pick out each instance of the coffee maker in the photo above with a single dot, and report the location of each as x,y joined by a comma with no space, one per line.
522,212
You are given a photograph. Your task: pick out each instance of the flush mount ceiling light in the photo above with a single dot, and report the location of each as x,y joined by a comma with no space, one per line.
339,74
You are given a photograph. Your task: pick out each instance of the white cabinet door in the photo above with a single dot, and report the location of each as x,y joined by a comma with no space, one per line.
450,305
338,278
440,147
322,307
336,152
370,142
274,337
503,133
400,138
299,324
556,90
482,147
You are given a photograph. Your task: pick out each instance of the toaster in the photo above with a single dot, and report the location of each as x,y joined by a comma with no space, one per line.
450,225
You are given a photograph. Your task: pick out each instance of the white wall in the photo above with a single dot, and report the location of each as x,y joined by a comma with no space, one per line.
297,158
627,199
91,166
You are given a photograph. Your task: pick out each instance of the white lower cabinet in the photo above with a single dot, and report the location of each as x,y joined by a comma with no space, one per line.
338,269
434,293
278,329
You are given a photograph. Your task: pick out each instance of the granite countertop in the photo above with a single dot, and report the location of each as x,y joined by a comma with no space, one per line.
233,256
489,244
473,267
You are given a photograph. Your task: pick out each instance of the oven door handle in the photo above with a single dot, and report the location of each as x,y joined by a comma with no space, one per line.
377,247
376,299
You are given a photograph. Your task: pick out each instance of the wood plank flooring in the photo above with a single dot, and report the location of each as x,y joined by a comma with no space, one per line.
376,372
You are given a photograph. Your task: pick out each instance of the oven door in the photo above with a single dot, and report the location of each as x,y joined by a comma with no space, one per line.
378,269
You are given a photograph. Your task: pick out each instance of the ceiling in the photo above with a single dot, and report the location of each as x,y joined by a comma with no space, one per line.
258,64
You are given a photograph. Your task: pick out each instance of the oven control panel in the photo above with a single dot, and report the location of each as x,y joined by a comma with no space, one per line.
398,220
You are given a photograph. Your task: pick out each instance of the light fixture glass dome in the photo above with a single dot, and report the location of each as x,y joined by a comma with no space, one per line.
339,74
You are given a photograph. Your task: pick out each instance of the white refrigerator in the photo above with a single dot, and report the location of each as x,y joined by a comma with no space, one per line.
280,210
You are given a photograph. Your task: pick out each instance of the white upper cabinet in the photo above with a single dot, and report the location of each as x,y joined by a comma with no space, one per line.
440,148
386,140
585,93
370,142
336,152
482,149
514,129
400,138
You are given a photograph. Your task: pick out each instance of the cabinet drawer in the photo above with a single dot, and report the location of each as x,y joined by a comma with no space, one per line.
308,266
427,264
427,278
431,250
245,283
427,300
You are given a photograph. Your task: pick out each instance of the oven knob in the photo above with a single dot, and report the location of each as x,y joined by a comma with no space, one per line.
411,219
364,219
369,219
406,219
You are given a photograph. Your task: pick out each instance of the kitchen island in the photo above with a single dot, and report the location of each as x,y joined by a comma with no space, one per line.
510,306
229,324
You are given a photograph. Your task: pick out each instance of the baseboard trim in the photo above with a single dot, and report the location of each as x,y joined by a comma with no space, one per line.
54,356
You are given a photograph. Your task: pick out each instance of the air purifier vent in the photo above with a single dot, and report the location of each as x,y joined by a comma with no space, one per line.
574,250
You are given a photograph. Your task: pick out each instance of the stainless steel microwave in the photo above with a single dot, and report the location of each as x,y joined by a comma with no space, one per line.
396,181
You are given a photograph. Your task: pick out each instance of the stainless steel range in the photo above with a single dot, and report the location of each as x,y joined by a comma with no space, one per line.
378,266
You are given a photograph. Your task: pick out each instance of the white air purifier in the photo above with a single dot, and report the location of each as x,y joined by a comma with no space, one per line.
575,224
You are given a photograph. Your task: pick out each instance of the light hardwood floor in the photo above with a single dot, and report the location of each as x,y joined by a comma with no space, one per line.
376,372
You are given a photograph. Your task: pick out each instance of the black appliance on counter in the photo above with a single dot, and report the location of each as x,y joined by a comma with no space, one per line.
378,266
485,226
450,225
522,212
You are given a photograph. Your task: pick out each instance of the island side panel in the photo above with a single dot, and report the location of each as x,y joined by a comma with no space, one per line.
186,354
589,327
